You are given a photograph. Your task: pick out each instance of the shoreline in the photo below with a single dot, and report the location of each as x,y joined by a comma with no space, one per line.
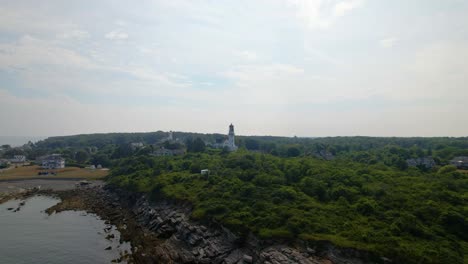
163,232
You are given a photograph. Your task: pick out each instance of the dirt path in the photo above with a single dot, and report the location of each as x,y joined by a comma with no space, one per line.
15,186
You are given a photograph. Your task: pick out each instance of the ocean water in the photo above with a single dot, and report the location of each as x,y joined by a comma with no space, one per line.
31,236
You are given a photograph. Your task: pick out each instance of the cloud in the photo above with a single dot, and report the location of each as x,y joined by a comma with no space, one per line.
247,55
116,35
388,42
280,84
45,65
343,7
321,14
295,63
29,52
26,20
121,23
75,34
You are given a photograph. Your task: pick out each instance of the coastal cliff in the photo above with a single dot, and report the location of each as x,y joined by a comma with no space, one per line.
162,232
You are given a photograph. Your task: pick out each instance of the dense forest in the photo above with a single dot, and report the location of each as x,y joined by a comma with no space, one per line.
358,192
410,216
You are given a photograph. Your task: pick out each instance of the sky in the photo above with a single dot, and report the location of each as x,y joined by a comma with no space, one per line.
271,67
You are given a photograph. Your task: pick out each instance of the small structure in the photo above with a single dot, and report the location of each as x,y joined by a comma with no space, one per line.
136,145
4,163
170,138
426,162
460,162
205,172
53,161
18,159
99,166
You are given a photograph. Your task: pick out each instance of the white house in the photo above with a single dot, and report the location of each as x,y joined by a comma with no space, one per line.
53,161
18,159
205,172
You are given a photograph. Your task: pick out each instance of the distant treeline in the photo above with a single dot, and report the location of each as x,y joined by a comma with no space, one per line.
392,151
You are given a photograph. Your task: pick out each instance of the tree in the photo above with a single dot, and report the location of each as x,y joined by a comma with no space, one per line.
196,145
293,152
252,144
101,159
447,169
81,156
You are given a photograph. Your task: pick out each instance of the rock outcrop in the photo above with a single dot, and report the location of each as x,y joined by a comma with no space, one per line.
162,232
187,241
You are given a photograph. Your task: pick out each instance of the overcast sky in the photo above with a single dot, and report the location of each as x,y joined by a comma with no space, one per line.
271,67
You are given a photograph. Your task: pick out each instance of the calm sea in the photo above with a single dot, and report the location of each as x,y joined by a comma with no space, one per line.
32,236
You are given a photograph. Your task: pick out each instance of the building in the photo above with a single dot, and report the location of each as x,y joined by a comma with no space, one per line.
170,138
53,161
18,159
205,172
460,162
136,145
426,162
230,142
4,163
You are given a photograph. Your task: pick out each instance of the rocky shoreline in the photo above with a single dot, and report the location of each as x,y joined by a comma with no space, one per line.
162,232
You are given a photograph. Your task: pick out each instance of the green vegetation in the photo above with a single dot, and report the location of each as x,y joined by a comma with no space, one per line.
105,148
412,216
356,192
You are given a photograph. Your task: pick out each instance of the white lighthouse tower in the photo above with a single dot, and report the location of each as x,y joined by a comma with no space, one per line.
230,143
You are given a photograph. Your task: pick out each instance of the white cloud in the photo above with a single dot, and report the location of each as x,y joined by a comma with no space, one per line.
75,34
30,51
27,20
343,7
282,84
247,55
388,42
321,14
121,23
116,35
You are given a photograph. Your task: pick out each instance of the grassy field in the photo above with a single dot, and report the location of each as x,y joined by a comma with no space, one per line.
31,172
